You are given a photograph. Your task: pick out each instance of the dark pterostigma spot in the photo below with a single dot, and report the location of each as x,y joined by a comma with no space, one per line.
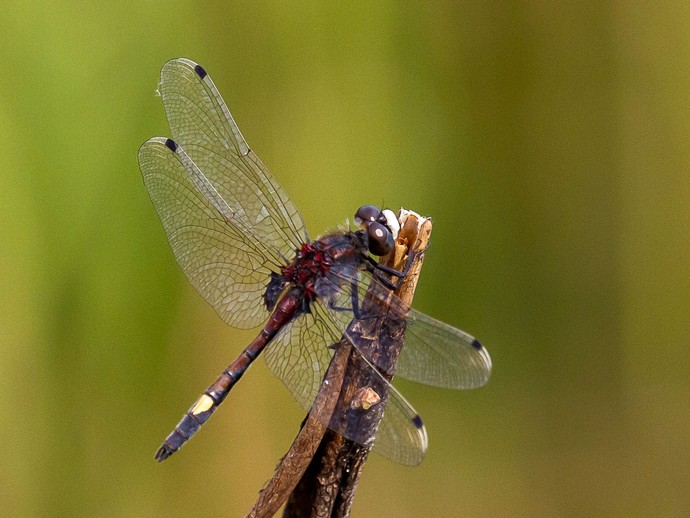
200,71
170,144
477,344
417,421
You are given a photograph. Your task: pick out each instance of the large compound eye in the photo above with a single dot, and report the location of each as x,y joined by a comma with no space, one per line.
366,214
380,239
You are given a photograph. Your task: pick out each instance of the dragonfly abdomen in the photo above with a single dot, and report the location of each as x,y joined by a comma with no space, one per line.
204,407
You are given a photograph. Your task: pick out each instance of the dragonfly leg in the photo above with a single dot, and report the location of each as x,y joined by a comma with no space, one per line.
355,298
378,272
387,269
355,301
378,269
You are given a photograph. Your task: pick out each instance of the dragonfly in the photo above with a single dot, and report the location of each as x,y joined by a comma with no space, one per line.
243,245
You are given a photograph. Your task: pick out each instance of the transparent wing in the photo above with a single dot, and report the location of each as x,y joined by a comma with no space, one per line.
401,435
375,321
202,124
442,356
228,267
300,356
434,353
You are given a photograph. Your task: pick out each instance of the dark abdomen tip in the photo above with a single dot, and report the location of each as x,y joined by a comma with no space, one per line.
163,453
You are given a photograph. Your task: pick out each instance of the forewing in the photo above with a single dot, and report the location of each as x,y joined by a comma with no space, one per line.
434,353
228,267
202,124
442,356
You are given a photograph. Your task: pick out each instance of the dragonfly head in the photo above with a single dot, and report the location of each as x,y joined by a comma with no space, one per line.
381,227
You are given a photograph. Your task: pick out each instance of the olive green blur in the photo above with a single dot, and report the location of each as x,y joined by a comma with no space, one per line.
548,140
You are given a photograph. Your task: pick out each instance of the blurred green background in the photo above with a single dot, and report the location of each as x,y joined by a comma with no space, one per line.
549,141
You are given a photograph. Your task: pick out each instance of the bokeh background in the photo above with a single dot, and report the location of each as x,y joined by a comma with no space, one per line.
549,141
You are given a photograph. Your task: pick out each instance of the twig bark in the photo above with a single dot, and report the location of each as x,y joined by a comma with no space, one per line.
303,448
319,474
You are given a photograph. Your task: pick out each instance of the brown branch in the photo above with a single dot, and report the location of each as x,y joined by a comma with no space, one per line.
297,459
320,472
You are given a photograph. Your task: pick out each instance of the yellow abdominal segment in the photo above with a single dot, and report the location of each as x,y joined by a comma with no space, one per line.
204,403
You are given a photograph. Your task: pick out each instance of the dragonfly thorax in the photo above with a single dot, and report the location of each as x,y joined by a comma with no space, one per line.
310,261
320,267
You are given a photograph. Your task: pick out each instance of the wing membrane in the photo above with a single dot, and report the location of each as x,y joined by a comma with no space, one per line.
434,353
227,268
300,356
442,356
202,124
